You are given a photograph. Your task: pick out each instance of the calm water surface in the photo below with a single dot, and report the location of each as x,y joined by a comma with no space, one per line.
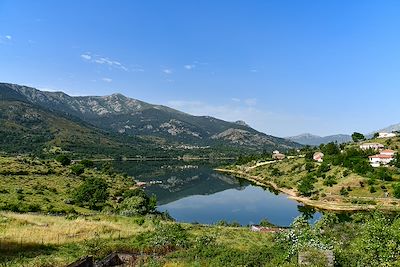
194,192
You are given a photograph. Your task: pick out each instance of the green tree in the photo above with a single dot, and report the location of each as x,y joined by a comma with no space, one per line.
306,185
331,149
396,190
93,193
77,169
64,160
357,137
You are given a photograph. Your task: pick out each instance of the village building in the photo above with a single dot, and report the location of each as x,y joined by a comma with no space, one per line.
388,152
318,156
374,146
380,159
275,152
386,135
278,156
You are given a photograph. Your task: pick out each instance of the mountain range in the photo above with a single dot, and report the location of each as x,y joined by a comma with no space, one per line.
315,140
55,118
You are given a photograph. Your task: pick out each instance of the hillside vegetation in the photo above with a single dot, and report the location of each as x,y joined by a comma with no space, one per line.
49,219
126,119
344,180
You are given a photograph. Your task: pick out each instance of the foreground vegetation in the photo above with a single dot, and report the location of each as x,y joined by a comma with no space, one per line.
57,211
43,240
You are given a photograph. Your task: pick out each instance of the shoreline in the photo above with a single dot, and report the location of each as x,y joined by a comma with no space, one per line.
157,159
318,204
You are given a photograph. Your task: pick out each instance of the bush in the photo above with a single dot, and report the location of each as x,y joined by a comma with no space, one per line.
324,167
344,192
306,185
64,160
93,193
330,181
169,236
87,163
396,190
77,169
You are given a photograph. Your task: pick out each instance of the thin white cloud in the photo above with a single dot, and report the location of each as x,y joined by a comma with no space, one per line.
189,66
234,99
167,71
253,70
86,56
105,79
103,61
5,39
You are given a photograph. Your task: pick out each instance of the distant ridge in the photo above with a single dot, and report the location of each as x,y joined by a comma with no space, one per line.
315,140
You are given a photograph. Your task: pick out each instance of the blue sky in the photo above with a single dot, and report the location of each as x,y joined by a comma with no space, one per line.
285,67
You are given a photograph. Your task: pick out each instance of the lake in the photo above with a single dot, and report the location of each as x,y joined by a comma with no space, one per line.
193,192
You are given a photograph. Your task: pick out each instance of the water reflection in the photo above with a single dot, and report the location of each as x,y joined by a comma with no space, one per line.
194,192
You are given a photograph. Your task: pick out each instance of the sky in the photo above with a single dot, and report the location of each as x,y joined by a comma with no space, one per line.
284,67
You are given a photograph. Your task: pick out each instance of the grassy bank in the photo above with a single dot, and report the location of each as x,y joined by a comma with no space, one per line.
343,181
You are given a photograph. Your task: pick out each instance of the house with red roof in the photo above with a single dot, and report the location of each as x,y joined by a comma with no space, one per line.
382,159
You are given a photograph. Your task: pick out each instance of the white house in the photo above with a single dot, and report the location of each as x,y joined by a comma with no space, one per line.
375,146
388,152
275,152
380,159
278,156
318,156
386,135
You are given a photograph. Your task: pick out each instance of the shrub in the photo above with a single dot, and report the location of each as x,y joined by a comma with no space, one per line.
77,169
396,190
324,167
64,160
344,192
330,181
93,193
169,236
87,163
372,189
306,185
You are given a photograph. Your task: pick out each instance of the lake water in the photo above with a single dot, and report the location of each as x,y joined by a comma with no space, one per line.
194,192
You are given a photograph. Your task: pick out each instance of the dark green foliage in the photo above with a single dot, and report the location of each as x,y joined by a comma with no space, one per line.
266,223
372,189
309,166
324,167
383,174
330,181
330,149
306,185
357,137
396,190
87,163
344,192
64,160
309,155
137,202
77,169
92,193
276,172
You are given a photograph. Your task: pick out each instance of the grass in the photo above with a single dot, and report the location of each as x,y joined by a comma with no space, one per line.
29,184
43,240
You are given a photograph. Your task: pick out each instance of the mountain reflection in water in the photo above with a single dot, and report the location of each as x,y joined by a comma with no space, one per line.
194,192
